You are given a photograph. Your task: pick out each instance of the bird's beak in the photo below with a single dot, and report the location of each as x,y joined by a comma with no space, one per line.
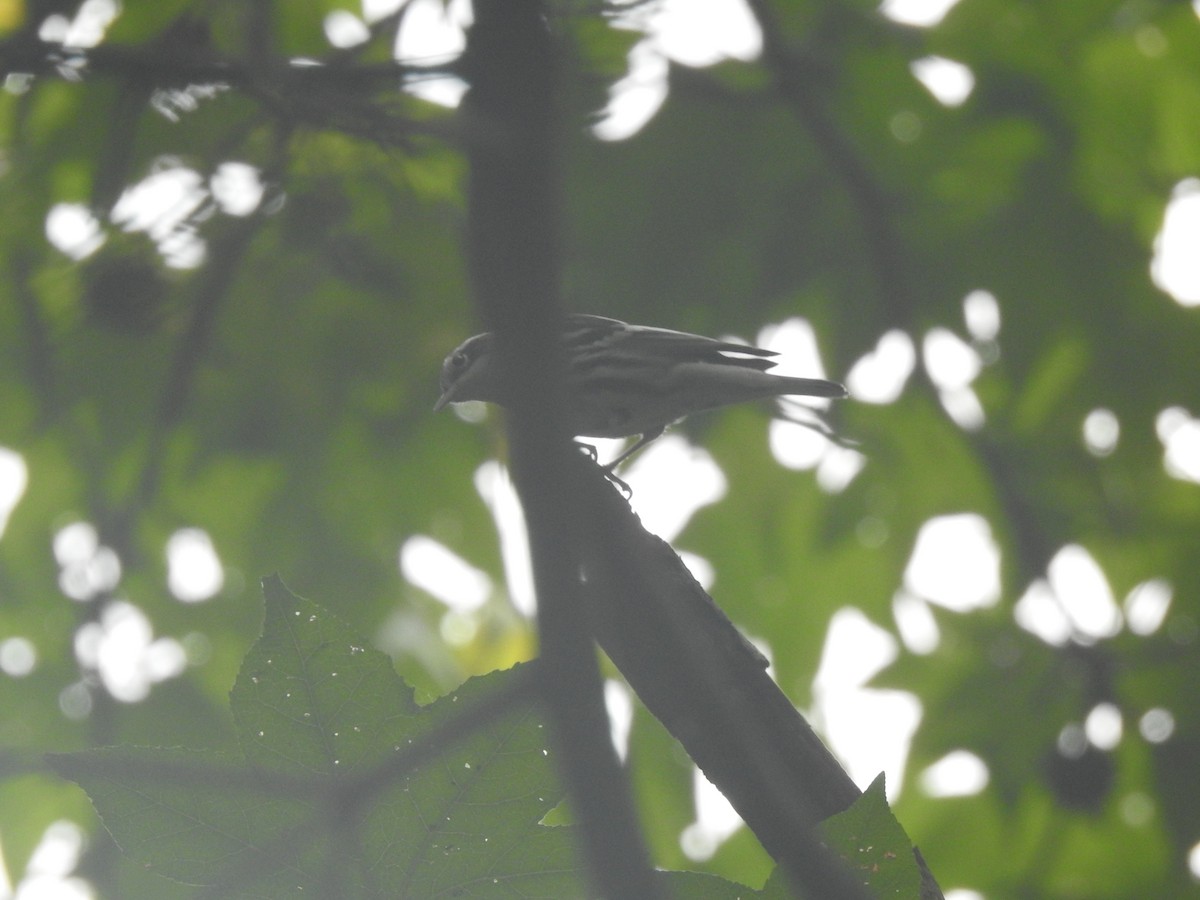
447,397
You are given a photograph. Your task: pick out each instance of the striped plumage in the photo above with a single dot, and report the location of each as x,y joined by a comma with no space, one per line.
631,379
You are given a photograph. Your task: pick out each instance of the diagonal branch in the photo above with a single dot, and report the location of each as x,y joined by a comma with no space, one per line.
700,677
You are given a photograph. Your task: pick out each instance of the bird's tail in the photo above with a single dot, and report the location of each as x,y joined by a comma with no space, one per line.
810,387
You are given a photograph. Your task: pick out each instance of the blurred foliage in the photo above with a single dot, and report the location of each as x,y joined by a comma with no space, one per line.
267,376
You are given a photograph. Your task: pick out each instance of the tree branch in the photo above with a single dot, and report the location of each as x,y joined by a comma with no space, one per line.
513,254
337,96
705,682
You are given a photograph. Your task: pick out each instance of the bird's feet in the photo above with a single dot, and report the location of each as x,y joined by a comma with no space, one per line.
609,470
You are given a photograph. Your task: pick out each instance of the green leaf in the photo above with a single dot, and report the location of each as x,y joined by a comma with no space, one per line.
308,699
870,839
189,815
319,802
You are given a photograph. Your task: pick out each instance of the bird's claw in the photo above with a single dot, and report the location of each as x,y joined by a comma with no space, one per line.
609,470
617,482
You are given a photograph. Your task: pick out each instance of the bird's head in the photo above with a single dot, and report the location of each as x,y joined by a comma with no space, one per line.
470,373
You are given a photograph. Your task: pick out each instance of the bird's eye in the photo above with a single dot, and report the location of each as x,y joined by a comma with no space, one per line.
459,360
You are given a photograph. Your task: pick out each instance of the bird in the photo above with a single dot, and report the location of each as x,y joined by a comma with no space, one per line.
623,380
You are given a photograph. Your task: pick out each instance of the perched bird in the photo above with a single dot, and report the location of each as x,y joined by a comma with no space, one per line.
623,380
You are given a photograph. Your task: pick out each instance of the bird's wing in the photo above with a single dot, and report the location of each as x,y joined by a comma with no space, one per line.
583,332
